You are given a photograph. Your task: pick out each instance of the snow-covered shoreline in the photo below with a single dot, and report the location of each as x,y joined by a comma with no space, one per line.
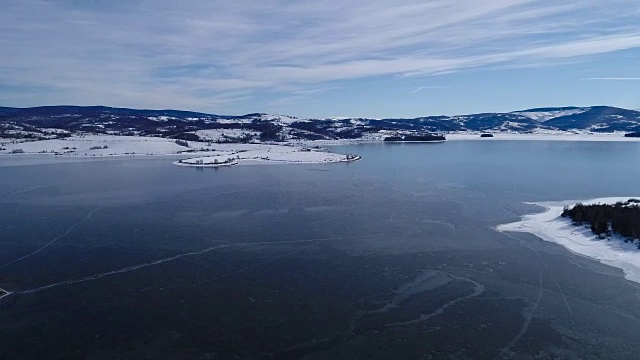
118,145
545,137
550,226
475,136
200,154
294,151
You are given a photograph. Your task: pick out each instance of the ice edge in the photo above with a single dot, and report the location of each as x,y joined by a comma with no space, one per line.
549,226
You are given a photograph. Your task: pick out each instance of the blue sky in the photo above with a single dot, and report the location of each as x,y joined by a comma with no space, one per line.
321,58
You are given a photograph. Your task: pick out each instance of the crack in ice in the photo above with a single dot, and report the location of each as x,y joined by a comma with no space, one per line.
176,257
477,290
69,230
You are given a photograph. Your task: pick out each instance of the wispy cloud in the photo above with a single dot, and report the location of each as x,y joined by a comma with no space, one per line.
207,55
428,87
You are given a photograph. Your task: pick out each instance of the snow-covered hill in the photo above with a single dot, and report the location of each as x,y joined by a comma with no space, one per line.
545,114
53,122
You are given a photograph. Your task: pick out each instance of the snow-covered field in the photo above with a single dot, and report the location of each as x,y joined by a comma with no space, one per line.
82,146
550,226
101,146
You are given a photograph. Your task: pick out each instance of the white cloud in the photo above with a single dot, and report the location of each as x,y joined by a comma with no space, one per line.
203,55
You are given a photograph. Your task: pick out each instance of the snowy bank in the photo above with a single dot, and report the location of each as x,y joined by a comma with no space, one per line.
550,226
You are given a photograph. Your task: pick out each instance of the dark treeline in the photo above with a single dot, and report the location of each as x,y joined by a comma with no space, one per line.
620,218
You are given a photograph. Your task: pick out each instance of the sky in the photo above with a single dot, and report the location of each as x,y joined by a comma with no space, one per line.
321,58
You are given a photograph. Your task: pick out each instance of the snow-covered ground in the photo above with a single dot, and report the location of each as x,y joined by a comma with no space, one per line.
101,146
267,154
550,226
543,116
93,146
82,146
216,135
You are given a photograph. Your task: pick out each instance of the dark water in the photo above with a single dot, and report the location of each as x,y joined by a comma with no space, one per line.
392,257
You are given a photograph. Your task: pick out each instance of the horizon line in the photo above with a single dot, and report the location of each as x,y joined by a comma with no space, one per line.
333,116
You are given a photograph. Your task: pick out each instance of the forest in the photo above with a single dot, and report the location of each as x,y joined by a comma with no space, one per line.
622,218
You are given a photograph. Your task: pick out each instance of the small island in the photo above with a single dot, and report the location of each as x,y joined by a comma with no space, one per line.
415,138
606,220
210,161
273,154
633,135
486,135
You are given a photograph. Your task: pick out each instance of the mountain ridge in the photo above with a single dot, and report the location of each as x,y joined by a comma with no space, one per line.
65,120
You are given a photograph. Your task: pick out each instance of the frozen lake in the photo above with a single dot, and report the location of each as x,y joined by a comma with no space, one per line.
393,256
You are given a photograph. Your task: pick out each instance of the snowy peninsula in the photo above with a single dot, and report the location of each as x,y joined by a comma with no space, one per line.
196,153
550,226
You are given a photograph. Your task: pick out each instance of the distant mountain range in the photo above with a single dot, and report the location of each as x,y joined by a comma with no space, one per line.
59,121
